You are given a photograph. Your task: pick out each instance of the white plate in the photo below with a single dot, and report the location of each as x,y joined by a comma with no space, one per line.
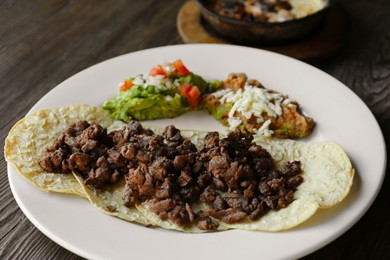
340,115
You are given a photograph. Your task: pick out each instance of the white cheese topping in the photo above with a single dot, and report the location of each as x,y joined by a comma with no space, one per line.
264,130
252,101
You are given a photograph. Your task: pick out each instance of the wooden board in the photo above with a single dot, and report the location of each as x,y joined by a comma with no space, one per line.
327,39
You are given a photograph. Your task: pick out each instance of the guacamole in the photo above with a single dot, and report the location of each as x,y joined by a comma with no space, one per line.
149,106
166,91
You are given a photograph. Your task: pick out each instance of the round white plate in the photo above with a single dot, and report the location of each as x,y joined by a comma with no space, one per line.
341,116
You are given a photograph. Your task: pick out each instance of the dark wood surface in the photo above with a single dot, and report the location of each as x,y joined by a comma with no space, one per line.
44,42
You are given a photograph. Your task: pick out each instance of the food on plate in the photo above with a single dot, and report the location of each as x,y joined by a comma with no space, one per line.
228,180
184,180
170,89
267,10
166,91
245,104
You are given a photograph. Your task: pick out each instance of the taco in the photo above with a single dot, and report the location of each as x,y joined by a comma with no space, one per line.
185,180
28,139
325,170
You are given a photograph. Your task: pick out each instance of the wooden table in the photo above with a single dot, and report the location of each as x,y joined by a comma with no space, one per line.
44,42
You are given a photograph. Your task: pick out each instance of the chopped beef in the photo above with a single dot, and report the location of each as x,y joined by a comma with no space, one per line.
135,127
230,215
88,149
191,213
79,161
171,133
234,176
218,203
218,165
130,195
208,195
235,200
129,151
163,206
207,224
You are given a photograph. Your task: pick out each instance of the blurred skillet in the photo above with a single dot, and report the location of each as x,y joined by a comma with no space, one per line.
263,33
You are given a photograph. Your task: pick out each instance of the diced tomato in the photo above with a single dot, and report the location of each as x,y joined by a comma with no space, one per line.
194,92
191,93
126,85
185,89
193,98
180,68
158,70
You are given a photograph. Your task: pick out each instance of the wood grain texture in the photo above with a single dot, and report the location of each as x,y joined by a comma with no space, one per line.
44,42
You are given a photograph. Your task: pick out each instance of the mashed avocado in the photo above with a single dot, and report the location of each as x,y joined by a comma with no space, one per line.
126,106
166,91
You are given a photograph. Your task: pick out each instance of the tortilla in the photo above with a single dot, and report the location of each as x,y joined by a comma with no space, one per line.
28,139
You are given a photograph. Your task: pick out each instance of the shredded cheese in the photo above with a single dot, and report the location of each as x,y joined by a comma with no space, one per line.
252,101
